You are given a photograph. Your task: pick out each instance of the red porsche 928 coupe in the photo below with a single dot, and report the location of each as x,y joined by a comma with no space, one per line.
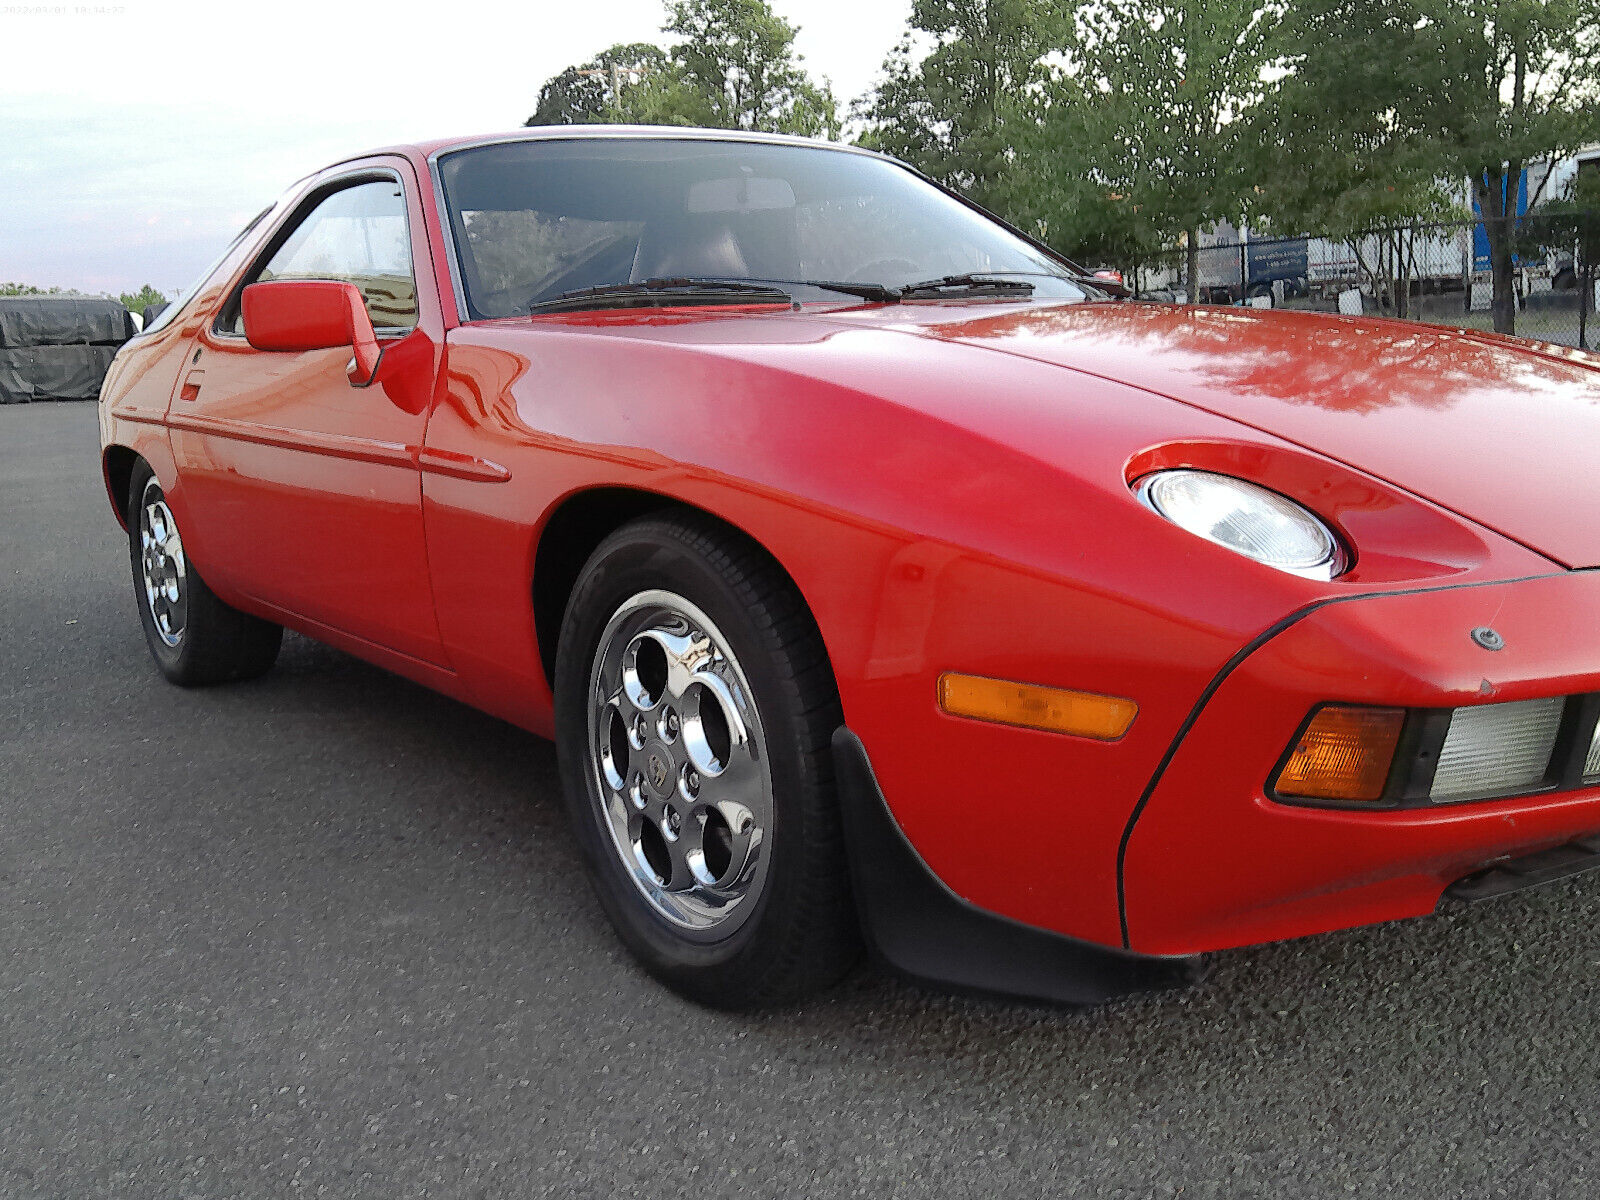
881,577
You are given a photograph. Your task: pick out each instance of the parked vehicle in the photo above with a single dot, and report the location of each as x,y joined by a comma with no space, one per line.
1232,272
874,573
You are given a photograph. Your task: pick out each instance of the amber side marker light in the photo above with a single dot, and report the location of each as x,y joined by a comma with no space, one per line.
1030,706
1344,754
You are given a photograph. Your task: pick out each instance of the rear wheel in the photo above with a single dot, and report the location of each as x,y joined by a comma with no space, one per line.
695,708
194,637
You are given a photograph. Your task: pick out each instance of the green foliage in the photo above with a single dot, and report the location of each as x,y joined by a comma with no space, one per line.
1145,138
733,67
955,110
1053,186
1117,129
591,93
738,56
1398,93
132,301
1344,165
138,301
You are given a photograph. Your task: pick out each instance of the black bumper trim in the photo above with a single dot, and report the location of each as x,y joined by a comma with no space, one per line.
1515,874
916,926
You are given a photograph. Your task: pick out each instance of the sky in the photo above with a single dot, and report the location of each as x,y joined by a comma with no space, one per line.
137,138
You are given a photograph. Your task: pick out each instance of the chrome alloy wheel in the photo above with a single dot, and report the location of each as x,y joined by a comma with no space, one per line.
678,756
162,567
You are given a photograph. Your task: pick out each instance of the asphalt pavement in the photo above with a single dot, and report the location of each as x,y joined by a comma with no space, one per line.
324,934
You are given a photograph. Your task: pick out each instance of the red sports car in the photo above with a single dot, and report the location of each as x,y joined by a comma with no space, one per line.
880,576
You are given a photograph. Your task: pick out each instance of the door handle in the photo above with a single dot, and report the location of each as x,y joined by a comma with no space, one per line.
191,385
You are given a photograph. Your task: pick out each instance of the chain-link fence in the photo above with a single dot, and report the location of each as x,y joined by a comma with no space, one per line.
1436,272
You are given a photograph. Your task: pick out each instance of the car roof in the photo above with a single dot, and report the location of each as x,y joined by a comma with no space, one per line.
430,148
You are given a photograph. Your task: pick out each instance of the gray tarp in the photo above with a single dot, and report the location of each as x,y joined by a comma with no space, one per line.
62,321
58,347
53,372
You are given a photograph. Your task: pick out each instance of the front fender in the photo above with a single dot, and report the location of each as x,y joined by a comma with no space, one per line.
926,533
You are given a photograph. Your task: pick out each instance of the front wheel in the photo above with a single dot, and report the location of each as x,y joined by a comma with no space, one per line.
193,636
695,708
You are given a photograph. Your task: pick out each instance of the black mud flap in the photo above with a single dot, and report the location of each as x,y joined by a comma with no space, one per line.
919,928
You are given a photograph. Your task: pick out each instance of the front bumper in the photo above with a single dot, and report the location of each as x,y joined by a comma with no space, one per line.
1211,862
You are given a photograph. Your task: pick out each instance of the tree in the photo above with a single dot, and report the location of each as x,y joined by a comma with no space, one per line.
733,66
1155,116
1340,168
12,288
953,111
593,92
142,299
738,57
1471,90
1053,188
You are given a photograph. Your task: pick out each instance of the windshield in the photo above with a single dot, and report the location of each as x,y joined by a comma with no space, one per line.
534,220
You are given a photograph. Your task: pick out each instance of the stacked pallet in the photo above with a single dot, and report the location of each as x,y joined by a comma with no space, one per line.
58,347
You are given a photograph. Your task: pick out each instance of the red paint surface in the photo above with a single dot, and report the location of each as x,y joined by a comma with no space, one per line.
293,314
947,484
1213,862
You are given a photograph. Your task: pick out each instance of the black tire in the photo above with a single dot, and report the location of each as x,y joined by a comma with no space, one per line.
799,934
214,643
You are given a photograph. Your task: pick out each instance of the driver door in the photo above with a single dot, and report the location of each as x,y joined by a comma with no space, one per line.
303,487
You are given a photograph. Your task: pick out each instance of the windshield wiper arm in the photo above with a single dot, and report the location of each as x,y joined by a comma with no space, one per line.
1103,287
663,293
879,292
967,282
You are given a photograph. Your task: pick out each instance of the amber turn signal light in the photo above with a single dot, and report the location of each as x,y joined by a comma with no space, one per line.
1030,706
1344,753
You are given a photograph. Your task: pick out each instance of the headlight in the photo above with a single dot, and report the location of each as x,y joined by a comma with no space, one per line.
1247,519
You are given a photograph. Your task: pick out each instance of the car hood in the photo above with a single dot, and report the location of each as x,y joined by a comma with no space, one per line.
1501,432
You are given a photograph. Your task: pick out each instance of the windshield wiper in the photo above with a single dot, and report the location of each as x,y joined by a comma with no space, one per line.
965,283
687,290
663,293
1105,287
878,292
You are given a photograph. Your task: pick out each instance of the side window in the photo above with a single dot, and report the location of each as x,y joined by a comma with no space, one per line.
357,235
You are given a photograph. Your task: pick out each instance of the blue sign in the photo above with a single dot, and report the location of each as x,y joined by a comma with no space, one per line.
1278,260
